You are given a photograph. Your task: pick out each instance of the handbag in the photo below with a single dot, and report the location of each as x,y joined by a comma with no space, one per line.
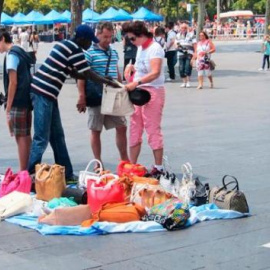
230,199
20,181
70,216
93,89
99,193
50,181
117,212
115,101
86,174
129,169
14,203
212,64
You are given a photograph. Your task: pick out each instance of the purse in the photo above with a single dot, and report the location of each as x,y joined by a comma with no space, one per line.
129,169
115,101
117,212
14,203
93,89
50,181
212,64
99,193
20,181
230,199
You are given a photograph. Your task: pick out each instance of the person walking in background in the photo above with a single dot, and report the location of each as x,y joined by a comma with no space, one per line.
149,75
204,49
186,43
24,39
101,58
66,58
17,82
130,50
171,53
159,36
266,53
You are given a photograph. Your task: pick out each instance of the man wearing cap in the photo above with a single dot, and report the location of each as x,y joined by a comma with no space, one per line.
103,60
66,58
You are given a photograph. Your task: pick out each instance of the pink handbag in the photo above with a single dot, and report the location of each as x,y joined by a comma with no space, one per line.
20,181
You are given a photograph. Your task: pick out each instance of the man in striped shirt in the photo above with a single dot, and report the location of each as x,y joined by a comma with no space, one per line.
66,58
97,57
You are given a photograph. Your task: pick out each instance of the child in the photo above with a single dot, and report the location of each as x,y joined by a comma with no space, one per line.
266,51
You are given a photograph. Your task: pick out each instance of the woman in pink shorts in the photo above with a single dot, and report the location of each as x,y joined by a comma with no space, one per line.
148,75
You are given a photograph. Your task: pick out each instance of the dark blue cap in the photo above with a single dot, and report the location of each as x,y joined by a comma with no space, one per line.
86,32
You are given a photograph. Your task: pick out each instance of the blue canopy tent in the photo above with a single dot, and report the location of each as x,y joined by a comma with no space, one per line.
32,18
52,17
67,14
146,15
5,19
111,14
89,15
18,17
123,12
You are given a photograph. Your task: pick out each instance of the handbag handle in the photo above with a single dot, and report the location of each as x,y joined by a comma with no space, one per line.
43,166
231,182
109,184
90,163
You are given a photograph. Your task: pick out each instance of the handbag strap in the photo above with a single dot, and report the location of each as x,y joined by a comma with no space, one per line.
90,163
108,62
231,182
42,167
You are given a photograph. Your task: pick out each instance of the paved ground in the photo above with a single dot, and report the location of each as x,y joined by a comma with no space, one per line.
220,131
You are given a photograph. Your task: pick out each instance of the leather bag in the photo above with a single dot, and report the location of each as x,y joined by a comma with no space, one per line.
50,181
69,216
14,203
117,212
20,181
230,199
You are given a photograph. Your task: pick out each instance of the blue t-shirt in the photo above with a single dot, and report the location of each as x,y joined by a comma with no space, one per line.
267,48
12,62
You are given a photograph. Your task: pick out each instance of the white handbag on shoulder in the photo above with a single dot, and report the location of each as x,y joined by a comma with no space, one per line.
14,203
115,101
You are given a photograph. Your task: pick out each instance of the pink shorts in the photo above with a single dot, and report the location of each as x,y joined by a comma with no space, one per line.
148,117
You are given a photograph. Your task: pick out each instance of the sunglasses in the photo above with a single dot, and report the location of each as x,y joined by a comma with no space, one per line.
132,39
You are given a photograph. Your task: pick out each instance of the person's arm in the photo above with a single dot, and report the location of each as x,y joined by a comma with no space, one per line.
81,104
155,67
212,47
119,75
12,87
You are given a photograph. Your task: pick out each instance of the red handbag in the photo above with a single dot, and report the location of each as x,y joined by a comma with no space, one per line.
20,181
99,192
129,169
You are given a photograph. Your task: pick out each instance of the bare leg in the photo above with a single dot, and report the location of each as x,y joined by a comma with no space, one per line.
24,145
121,142
200,79
96,144
134,153
211,81
158,155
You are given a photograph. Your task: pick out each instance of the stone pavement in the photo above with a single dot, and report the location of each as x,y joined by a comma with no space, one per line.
220,131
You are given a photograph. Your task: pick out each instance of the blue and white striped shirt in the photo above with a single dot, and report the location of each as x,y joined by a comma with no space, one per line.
50,77
97,59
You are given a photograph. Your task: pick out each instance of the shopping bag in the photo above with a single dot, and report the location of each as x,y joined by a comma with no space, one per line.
20,181
14,203
50,181
115,101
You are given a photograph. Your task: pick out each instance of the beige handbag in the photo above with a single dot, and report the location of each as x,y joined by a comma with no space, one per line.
50,181
115,101
14,203
70,216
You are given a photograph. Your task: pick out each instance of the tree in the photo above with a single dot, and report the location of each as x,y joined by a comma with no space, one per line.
267,17
201,15
1,7
76,14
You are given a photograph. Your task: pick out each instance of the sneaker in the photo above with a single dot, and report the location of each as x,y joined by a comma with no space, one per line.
187,85
183,85
260,69
170,80
155,173
266,69
72,180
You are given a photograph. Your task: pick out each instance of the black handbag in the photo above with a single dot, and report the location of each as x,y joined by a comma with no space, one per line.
93,89
230,199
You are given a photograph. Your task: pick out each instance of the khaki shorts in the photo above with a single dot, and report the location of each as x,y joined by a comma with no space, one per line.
96,120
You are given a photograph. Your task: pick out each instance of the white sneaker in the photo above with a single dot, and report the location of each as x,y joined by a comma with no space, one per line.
187,85
170,80
260,69
266,69
183,85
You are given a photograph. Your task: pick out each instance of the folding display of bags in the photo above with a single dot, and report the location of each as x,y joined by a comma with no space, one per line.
127,168
172,214
50,181
99,193
20,181
230,199
115,101
117,212
14,203
148,192
70,216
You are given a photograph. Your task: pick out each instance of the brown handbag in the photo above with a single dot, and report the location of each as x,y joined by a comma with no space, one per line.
70,216
49,181
229,199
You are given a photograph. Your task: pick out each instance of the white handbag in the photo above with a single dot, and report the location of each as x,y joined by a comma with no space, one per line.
86,174
14,203
115,101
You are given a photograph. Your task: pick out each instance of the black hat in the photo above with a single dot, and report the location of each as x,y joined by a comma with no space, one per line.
139,96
